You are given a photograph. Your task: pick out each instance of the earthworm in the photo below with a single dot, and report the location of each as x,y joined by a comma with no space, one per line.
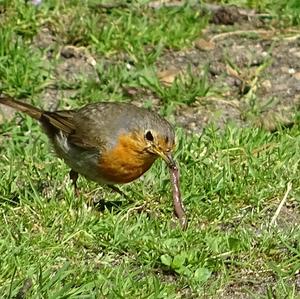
177,201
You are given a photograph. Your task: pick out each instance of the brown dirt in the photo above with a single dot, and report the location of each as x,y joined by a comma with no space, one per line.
254,75
263,62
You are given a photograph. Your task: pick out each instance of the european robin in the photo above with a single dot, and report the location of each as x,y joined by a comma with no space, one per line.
109,143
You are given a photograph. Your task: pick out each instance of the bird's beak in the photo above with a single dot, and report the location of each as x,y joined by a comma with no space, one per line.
167,157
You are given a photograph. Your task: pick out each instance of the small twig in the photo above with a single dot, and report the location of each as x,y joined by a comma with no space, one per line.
224,35
288,189
138,208
260,32
264,148
289,38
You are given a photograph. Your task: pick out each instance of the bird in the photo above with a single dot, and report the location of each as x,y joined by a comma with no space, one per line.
110,143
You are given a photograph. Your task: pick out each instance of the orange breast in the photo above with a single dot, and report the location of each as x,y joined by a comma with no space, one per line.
126,162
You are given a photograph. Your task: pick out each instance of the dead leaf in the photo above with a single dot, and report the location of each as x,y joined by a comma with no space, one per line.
167,77
232,72
297,76
204,45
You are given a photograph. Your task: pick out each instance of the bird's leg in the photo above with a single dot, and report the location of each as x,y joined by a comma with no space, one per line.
74,176
116,189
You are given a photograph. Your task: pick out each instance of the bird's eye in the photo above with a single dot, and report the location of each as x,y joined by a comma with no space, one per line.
149,136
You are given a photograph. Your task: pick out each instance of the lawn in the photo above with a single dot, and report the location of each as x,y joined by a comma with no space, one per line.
231,92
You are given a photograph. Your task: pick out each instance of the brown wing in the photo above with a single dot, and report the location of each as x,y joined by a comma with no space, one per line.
93,126
59,120
64,121
82,141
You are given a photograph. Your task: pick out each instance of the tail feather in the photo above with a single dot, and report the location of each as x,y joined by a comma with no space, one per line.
51,121
32,111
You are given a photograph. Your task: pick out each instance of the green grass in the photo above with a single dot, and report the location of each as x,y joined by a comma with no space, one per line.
231,189
56,245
